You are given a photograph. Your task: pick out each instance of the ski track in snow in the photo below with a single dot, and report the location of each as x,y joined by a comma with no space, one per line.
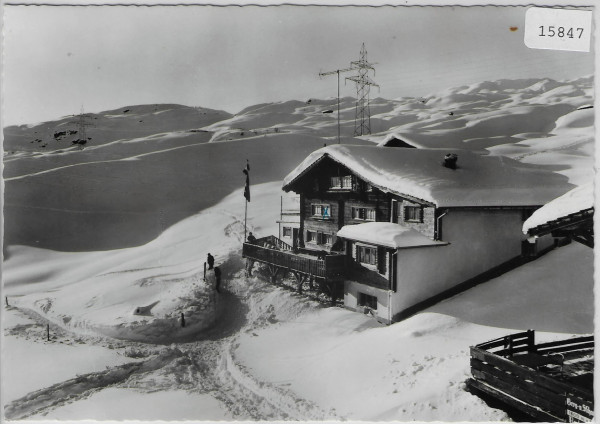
204,366
124,159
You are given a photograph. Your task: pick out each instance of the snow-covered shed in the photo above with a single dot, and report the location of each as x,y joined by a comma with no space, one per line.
570,215
396,140
415,224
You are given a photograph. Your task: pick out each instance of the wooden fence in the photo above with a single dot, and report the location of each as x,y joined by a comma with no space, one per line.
535,379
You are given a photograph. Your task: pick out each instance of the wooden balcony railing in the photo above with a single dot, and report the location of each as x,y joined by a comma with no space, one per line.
272,241
331,267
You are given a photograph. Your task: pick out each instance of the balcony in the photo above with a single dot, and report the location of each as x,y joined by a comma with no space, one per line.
273,251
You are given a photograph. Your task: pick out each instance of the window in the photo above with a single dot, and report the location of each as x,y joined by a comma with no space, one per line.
367,214
366,255
347,181
413,213
322,211
319,238
370,214
287,232
367,300
344,182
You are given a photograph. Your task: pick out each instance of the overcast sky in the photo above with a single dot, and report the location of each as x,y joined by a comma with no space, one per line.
60,58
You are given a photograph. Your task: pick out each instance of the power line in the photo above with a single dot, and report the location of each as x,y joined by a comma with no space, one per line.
337,71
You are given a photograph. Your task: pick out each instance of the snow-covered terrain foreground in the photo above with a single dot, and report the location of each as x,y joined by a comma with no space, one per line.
288,358
254,351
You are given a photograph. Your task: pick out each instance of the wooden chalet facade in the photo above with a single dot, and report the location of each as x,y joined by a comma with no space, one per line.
408,225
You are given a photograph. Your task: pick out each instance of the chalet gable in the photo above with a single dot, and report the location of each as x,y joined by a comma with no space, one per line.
329,176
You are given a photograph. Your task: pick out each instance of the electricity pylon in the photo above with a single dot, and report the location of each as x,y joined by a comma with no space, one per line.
362,121
82,124
363,84
81,130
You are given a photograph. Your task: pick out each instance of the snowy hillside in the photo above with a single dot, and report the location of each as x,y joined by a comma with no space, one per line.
134,147
105,246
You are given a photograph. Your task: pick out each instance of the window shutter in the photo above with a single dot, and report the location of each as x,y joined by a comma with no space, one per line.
421,214
381,260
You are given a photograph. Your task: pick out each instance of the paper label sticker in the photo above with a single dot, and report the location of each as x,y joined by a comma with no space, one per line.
558,29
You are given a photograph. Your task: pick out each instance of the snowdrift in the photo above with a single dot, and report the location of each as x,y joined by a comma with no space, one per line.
99,292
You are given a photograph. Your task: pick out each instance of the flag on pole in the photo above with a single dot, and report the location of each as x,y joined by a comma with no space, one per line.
247,188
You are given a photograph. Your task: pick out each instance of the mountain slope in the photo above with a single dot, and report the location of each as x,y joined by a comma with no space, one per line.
149,166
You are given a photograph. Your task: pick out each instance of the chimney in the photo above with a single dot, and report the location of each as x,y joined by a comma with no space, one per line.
450,160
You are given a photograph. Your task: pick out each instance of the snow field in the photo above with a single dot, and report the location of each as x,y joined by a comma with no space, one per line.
357,369
568,145
336,359
554,293
35,362
92,294
127,404
99,291
292,358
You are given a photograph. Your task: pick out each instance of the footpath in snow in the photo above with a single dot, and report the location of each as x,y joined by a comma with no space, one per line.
416,369
259,352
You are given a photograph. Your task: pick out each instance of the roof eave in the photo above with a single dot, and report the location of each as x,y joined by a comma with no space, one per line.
287,187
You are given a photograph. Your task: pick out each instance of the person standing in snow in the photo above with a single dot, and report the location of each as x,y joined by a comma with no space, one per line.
218,278
210,260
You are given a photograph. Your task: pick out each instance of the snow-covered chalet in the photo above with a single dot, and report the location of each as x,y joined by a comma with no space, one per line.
393,228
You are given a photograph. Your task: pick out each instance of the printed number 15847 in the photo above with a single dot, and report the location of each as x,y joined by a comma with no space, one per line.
562,32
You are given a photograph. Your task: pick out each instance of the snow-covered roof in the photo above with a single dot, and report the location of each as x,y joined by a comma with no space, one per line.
576,200
385,142
386,234
419,173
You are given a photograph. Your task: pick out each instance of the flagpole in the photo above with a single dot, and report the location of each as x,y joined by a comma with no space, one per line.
246,171
245,217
